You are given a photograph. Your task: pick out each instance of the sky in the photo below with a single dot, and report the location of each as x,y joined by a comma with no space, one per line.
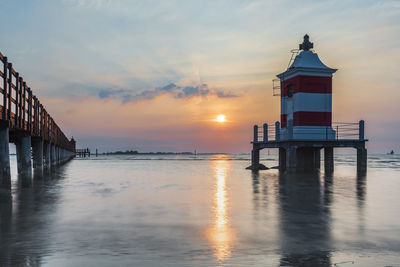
154,75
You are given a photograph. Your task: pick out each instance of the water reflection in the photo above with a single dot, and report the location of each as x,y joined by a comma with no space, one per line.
25,219
361,198
305,219
221,234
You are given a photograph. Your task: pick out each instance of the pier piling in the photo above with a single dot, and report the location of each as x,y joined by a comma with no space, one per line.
53,155
23,147
46,151
37,153
5,176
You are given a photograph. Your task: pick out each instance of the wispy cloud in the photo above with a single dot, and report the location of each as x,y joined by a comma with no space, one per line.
89,3
171,89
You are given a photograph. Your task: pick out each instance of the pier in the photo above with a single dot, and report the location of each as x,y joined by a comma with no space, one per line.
39,141
83,152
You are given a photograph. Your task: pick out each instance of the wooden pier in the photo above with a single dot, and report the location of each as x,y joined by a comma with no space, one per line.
39,141
303,154
85,152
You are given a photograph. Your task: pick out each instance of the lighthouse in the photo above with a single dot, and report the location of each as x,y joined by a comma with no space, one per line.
306,97
305,127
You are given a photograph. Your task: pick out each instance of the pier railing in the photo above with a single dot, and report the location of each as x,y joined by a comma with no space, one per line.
335,131
22,110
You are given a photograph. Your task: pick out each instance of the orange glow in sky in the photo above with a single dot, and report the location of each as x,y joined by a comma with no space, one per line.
221,118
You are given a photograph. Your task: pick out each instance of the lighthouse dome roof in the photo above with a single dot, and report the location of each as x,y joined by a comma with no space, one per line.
306,63
308,59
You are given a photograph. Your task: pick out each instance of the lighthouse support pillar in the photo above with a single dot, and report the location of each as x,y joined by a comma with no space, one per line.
291,158
308,159
361,160
328,159
255,159
282,159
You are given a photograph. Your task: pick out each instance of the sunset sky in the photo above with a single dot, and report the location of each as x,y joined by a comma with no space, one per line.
154,75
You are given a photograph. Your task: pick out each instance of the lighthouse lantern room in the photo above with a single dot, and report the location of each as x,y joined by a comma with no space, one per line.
306,97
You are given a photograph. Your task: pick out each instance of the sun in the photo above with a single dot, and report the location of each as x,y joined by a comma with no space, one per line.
220,118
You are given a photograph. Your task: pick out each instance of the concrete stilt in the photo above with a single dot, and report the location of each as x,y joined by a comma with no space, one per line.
328,158
317,158
57,155
291,159
308,159
53,155
46,152
23,147
5,176
282,159
255,159
37,153
361,159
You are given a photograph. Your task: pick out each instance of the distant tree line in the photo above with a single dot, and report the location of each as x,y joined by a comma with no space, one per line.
135,152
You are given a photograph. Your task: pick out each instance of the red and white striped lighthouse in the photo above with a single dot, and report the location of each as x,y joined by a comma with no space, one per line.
306,97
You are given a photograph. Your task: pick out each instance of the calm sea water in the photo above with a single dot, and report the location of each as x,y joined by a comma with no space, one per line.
202,211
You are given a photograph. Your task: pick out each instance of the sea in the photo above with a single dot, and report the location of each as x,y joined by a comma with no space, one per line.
202,210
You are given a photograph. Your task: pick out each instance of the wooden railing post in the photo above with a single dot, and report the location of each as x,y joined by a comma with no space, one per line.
16,98
20,102
5,69
24,106
41,120
34,115
29,110
9,91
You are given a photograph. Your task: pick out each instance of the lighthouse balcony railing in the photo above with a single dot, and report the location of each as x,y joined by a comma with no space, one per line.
335,131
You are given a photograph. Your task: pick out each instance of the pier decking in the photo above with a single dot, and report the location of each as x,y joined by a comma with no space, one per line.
26,123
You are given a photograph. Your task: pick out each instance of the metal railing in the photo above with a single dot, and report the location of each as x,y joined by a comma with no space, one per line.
334,131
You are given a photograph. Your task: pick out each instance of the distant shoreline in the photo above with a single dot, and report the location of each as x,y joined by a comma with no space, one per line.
131,152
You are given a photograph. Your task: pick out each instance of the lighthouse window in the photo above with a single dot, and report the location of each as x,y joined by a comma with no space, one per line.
290,90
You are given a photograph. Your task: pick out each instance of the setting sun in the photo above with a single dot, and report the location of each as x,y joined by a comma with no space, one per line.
220,118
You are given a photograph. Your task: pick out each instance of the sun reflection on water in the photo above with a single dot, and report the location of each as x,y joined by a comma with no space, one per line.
220,234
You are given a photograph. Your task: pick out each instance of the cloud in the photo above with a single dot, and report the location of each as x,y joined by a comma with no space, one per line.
171,89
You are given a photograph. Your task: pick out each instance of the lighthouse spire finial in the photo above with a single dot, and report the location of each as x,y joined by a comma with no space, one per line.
306,45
